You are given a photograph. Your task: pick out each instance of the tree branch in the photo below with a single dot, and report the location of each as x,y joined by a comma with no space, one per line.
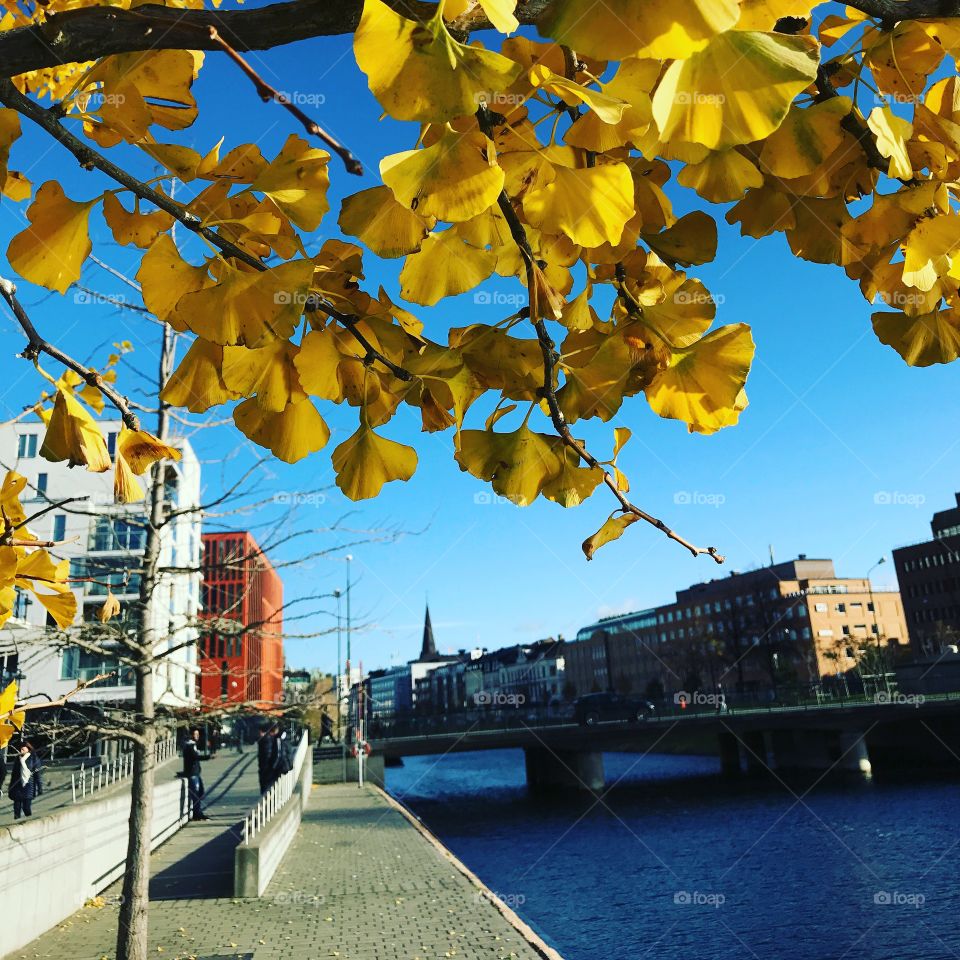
90,33
88,157
550,359
37,345
267,93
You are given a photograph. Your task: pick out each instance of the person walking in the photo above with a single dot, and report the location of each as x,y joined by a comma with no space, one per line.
284,761
194,774
267,756
26,780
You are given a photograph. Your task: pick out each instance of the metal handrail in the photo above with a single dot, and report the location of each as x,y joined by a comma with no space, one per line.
274,799
87,780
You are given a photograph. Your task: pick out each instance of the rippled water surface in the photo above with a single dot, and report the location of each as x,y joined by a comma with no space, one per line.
676,862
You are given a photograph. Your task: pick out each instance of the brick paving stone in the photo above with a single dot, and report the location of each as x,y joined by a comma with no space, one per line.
359,882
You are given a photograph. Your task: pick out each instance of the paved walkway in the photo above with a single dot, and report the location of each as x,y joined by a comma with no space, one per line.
360,882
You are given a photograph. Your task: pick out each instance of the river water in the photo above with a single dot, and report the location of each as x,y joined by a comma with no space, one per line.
677,863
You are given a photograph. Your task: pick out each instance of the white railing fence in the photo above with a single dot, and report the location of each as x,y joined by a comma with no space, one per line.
89,779
274,799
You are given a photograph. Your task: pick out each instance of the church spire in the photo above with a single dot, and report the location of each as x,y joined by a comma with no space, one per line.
429,649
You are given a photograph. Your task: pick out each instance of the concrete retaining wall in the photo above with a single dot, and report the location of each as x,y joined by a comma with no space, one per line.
49,866
332,771
256,862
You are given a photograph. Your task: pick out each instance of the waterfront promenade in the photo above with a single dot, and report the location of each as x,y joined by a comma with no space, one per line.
361,881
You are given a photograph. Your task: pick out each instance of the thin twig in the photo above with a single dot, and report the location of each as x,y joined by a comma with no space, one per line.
267,93
37,345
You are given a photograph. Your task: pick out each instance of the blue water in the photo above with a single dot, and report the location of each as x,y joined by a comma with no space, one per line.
676,862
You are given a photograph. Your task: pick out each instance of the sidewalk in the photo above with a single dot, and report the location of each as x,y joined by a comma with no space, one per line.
360,882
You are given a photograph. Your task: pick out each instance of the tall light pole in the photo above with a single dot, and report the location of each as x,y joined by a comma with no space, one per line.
337,594
876,626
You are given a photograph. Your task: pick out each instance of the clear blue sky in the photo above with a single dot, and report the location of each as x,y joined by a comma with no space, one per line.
836,422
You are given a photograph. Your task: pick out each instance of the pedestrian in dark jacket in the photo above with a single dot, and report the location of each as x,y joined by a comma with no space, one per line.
26,780
194,774
267,747
284,756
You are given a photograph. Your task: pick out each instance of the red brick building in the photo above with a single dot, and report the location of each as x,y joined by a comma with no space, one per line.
241,655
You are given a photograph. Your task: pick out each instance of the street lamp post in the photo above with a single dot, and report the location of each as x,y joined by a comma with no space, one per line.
876,626
338,594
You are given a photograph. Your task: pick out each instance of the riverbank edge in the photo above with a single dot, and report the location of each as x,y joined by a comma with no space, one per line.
524,929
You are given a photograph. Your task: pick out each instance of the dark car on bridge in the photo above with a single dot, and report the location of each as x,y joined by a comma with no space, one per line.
602,707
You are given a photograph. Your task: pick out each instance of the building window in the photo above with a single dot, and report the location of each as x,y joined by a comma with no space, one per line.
112,443
846,630
27,446
60,526
21,603
820,607
42,484
870,608
841,608
850,652
824,633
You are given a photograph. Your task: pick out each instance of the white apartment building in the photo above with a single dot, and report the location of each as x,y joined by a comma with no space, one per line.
105,542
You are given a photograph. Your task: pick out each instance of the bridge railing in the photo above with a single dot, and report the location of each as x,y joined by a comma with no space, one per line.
91,778
471,721
274,799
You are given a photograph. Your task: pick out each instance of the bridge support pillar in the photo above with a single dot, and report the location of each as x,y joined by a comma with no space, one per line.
729,753
755,751
853,752
842,750
563,769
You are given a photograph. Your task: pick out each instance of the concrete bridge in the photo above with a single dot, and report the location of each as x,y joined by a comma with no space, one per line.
865,736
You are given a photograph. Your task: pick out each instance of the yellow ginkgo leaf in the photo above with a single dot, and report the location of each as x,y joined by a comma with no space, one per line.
456,179
73,435
268,372
419,72
691,240
51,251
317,362
892,133
663,29
140,229
61,606
109,609
366,461
297,182
387,227
725,175
608,108
444,267
136,450
165,277
764,14
736,90
703,382
248,307
517,464
921,340
9,131
929,249
612,529
197,383
807,136
573,484
590,205
292,434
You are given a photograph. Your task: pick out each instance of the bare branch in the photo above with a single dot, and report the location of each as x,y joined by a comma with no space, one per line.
37,345
266,93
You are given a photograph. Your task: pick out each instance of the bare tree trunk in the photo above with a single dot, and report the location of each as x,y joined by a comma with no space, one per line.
133,928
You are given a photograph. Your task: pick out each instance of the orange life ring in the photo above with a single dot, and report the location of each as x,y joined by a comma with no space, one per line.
355,751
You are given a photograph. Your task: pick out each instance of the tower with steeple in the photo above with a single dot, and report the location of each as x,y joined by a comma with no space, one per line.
428,650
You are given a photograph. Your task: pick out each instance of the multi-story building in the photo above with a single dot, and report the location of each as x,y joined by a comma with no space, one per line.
104,542
751,634
241,647
929,577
